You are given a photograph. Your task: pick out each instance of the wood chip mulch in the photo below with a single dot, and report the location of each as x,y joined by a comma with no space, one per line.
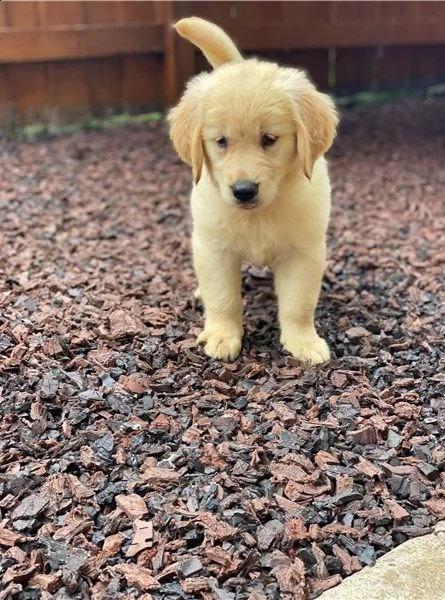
131,466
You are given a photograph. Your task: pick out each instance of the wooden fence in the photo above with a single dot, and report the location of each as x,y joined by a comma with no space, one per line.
73,59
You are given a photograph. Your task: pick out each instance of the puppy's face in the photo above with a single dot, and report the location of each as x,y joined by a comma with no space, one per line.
249,143
252,123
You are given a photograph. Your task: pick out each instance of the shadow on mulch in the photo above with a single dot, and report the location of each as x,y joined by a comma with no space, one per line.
131,466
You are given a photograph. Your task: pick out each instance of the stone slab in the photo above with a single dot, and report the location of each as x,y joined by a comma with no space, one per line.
414,570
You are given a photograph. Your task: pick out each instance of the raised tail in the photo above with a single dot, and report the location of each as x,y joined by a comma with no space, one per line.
213,42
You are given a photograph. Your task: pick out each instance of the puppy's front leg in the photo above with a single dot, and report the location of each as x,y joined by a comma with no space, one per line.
219,280
297,283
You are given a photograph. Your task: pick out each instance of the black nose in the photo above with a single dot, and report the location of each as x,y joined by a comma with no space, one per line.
244,190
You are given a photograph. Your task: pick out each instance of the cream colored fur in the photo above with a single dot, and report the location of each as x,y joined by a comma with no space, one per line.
242,101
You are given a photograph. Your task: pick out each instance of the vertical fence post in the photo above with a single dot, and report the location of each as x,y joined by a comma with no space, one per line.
179,56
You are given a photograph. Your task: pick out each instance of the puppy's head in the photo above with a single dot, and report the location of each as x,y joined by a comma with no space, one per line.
252,124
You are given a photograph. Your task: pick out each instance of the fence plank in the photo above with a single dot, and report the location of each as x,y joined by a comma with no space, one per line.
258,12
142,83
219,12
308,13
65,43
170,87
248,13
397,12
405,66
102,11
3,15
6,106
428,64
28,89
395,67
136,12
359,12
141,76
355,69
27,85
104,78
66,86
314,61
69,93
426,10
96,77
64,13
290,37
22,14
179,55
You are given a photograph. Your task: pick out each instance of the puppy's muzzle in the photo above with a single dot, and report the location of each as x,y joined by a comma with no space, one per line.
245,193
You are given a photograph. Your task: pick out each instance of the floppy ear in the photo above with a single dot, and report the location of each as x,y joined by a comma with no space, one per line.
315,117
186,125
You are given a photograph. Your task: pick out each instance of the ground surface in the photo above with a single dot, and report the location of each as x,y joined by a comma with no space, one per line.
130,464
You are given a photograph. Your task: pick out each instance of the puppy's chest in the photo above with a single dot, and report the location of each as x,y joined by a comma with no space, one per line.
260,240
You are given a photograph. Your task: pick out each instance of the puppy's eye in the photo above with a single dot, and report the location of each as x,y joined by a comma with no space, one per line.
268,140
221,142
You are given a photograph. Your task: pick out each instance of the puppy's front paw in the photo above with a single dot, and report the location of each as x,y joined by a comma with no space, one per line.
307,348
220,344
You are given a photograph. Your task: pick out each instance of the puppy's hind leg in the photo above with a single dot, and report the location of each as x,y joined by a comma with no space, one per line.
297,283
219,279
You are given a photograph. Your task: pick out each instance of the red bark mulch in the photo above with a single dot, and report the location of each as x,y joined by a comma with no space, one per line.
132,466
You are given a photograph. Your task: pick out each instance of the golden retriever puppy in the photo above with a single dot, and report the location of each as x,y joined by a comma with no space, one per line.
255,135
